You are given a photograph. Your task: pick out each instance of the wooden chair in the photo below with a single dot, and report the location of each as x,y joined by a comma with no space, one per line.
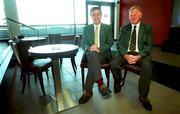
132,68
106,68
58,39
28,64
54,38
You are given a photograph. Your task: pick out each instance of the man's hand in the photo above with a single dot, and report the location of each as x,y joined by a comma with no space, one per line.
94,48
131,59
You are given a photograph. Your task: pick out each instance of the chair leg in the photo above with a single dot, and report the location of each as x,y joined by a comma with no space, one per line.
124,77
23,74
107,72
47,74
73,63
35,78
28,78
41,83
82,74
61,60
21,78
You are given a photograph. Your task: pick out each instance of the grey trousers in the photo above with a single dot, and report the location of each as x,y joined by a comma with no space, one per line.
145,76
94,61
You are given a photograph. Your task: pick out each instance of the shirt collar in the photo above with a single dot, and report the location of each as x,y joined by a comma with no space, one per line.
97,25
137,25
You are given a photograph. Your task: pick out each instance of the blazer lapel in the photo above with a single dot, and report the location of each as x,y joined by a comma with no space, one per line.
141,31
92,31
101,34
128,34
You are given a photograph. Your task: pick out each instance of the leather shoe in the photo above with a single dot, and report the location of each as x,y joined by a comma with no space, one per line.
104,91
117,87
85,97
146,103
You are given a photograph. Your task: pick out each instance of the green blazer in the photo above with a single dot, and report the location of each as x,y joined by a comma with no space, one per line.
144,39
106,39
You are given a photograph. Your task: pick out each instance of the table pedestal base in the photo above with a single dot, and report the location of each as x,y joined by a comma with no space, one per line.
65,98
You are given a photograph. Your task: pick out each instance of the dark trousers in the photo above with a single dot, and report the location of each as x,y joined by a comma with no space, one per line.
145,75
94,61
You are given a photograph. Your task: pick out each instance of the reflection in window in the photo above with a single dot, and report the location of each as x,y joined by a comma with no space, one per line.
2,15
49,12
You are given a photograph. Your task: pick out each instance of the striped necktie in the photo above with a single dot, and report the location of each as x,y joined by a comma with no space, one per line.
133,40
96,36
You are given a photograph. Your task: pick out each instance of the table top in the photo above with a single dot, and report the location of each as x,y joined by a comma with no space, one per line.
33,38
54,50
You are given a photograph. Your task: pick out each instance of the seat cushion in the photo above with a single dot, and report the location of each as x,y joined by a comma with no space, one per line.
132,68
39,65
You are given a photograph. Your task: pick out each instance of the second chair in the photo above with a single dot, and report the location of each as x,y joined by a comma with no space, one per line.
29,64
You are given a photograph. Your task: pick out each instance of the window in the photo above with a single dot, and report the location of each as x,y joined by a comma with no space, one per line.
49,12
2,15
101,0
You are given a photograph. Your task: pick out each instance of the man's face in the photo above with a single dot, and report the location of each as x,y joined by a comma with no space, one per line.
96,16
135,16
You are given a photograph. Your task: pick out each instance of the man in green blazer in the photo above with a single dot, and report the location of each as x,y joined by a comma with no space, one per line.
97,41
134,47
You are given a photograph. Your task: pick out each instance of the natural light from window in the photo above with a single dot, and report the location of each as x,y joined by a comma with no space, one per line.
50,12
2,15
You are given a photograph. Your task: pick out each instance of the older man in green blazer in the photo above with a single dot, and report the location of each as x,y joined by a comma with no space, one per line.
97,41
134,47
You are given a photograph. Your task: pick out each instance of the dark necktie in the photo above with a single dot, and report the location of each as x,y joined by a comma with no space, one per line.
133,40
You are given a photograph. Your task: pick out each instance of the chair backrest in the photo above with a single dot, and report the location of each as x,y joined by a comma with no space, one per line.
21,52
13,46
54,38
77,40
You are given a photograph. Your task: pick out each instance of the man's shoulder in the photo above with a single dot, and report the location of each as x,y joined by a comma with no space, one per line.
88,26
125,27
146,25
105,26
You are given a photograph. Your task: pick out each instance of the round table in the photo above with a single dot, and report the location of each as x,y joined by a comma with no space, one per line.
56,51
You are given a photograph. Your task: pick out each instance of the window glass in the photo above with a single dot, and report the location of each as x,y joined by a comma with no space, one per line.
89,15
102,0
80,11
48,12
106,14
2,15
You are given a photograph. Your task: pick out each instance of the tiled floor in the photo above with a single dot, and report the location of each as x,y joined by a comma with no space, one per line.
164,100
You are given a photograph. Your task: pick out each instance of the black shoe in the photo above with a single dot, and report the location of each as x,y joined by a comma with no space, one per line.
85,97
117,87
104,91
146,103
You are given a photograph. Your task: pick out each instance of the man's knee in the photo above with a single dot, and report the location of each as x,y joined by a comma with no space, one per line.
147,65
115,62
92,54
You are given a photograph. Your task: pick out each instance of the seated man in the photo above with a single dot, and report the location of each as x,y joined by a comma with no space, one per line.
97,41
134,47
